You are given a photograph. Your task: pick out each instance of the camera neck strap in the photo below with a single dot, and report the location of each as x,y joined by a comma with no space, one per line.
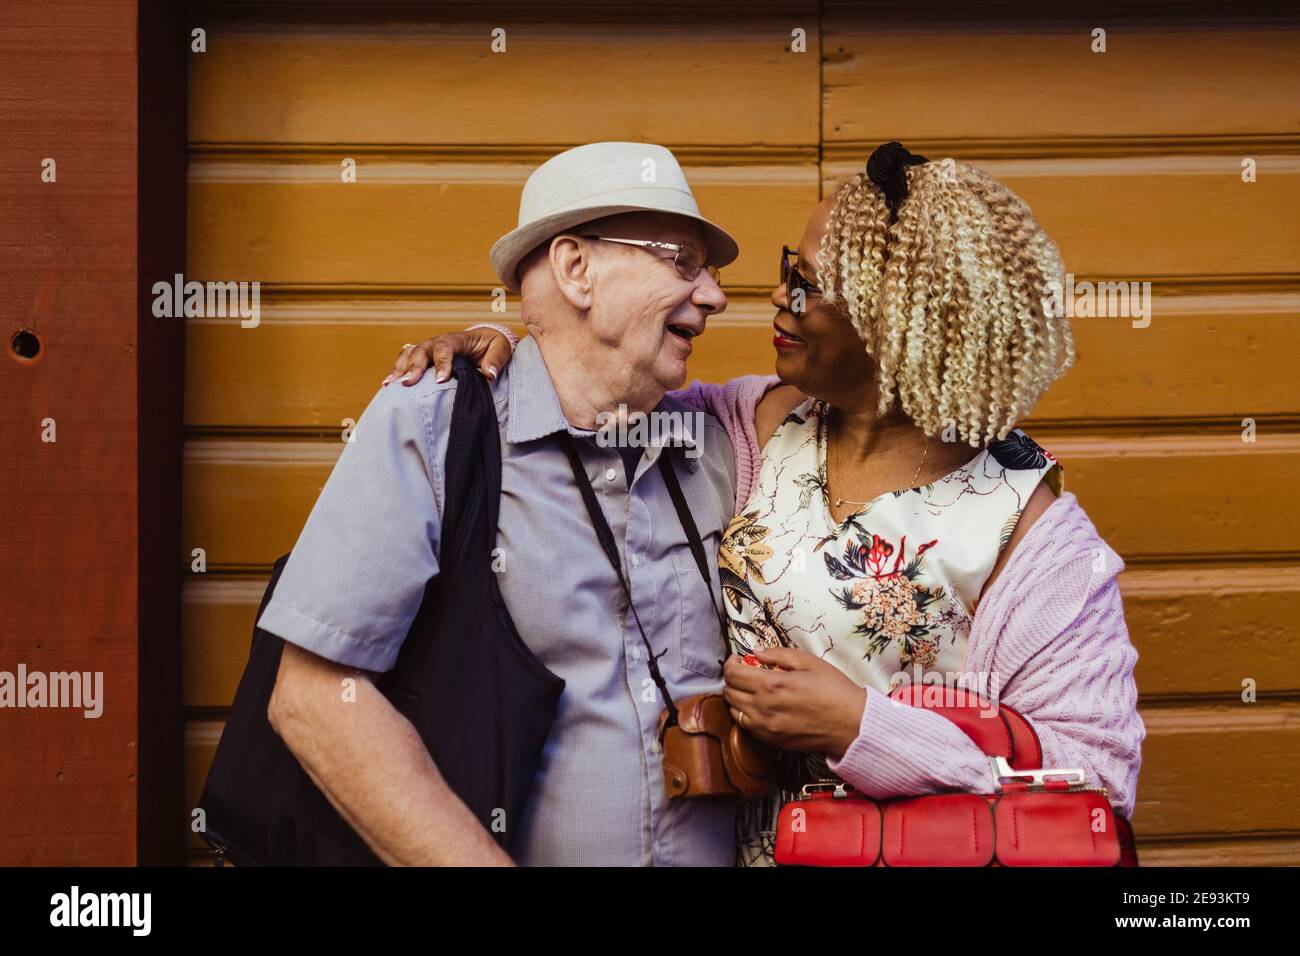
607,544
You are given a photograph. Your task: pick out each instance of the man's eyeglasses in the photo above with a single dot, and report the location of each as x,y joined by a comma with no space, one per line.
688,260
793,279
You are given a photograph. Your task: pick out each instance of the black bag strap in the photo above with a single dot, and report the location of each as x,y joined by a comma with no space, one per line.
472,475
472,468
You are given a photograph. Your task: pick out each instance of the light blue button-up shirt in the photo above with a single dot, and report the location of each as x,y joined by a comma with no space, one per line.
358,572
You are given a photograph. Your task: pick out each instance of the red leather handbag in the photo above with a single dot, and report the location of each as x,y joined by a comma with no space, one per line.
1035,817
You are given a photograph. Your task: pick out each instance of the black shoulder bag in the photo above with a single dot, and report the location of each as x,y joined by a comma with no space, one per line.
481,701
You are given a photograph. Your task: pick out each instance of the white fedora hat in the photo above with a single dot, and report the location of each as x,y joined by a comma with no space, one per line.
601,179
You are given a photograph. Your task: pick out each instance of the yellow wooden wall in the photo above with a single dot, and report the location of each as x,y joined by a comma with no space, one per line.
1131,158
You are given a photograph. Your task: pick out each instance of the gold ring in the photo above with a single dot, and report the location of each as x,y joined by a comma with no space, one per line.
740,718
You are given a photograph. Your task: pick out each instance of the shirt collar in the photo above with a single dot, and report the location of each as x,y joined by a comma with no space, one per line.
675,451
535,410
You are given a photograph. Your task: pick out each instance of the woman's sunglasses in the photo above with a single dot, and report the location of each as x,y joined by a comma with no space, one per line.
793,279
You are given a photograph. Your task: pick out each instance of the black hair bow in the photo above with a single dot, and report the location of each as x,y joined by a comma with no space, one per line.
887,169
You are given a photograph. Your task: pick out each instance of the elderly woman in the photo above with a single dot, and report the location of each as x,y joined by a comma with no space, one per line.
892,522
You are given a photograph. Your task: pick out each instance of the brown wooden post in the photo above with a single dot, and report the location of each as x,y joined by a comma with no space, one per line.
92,212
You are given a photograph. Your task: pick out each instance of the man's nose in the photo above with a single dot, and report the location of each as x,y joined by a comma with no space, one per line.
708,295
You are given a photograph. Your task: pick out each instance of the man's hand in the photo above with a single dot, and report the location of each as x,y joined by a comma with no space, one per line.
805,704
489,348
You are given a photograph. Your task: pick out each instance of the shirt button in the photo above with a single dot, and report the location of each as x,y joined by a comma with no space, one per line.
636,562
636,653
610,474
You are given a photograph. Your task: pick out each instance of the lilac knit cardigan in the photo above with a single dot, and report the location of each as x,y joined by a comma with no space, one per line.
1049,636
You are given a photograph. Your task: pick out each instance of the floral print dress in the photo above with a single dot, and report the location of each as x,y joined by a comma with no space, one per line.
887,593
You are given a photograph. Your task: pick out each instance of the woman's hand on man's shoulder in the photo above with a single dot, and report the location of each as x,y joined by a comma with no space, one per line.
488,348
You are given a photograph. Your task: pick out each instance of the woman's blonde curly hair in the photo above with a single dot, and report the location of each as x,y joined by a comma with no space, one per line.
949,299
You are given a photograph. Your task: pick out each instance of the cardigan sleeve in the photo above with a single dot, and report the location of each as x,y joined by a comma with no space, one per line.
1081,698
902,750
510,336
734,403
1076,690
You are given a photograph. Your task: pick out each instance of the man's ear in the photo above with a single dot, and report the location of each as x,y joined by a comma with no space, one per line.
570,262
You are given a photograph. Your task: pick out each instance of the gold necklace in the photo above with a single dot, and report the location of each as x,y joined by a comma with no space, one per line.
841,502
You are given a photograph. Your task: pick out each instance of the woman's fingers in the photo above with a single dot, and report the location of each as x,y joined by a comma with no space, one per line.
417,360
755,719
443,349
743,676
486,347
498,353
489,349
786,658
399,367
739,699
410,365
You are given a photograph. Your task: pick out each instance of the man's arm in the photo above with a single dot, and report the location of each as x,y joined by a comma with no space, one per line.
372,765
344,604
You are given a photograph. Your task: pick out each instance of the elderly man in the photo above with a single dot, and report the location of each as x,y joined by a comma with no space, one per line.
615,267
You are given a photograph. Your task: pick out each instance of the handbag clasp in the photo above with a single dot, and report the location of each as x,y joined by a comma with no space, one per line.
839,789
1034,779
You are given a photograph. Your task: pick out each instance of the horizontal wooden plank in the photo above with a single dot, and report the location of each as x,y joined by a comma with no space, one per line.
1151,497
1154,497
1182,621
1140,218
1221,768
269,376
1261,851
244,502
1044,80
1204,356
1201,356
1247,750
1205,630
433,223
298,223
442,83
217,618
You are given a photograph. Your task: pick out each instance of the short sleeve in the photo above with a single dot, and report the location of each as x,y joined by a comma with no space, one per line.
357,574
